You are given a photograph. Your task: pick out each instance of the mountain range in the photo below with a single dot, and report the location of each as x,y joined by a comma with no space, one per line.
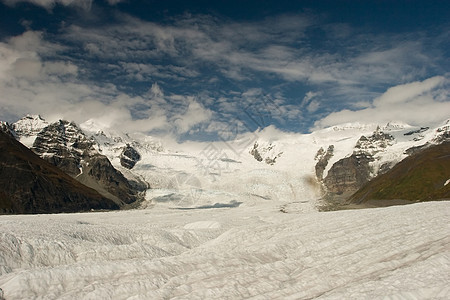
327,169
32,185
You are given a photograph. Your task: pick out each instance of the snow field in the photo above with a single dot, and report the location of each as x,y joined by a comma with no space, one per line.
229,253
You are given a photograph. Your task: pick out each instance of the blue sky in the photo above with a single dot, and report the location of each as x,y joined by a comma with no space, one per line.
203,69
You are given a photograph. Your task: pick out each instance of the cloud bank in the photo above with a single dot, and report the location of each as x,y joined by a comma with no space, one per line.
416,103
194,75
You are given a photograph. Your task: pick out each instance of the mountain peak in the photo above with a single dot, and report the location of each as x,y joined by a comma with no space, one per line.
30,125
396,125
7,128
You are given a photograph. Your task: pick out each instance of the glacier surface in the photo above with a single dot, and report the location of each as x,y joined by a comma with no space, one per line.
251,251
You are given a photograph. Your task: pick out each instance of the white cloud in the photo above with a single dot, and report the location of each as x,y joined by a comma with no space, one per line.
198,52
53,89
409,92
49,4
60,68
310,102
313,106
417,103
195,114
27,68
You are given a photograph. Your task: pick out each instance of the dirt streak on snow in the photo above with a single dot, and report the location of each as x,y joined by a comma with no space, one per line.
235,253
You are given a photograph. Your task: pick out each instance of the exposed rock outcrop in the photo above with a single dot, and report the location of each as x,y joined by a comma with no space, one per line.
266,154
255,152
322,158
6,128
348,174
423,176
32,185
375,143
129,157
64,145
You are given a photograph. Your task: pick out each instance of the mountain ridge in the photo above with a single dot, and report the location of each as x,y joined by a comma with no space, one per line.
66,146
265,165
32,185
422,176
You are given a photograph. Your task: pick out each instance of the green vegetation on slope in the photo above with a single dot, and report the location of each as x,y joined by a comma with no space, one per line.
420,177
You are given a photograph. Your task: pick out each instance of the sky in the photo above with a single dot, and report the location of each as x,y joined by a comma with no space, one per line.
209,70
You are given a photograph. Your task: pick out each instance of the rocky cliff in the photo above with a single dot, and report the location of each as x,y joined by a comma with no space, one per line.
423,176
64,145
349,174
129,157
371,159
267,153
32,185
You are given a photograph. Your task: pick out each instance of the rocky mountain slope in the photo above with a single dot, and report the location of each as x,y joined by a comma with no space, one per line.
67,147
299,171
423,176
32,185
372,156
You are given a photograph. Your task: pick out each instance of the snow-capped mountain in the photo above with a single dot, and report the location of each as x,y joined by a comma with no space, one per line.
422,176
7,128
225,224
67,147
375,154
267,165
28,128
29,184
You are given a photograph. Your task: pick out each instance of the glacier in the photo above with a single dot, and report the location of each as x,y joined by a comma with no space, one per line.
246,252
216,223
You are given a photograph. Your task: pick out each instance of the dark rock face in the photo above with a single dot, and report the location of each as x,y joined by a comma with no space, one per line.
423,176
375,143
32,185
100,169
7,129
348,174
260,152
129,157
422,129
322,158
255,152
64,145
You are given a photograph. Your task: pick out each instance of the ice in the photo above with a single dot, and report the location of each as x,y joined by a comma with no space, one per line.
249,251
232,227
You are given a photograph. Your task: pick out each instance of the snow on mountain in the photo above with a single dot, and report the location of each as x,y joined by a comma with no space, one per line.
266,165
218,223
67,147
7,128
220,172
399,252
113,144
28,127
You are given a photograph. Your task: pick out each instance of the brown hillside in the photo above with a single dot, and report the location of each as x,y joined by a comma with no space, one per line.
420,177
32,185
